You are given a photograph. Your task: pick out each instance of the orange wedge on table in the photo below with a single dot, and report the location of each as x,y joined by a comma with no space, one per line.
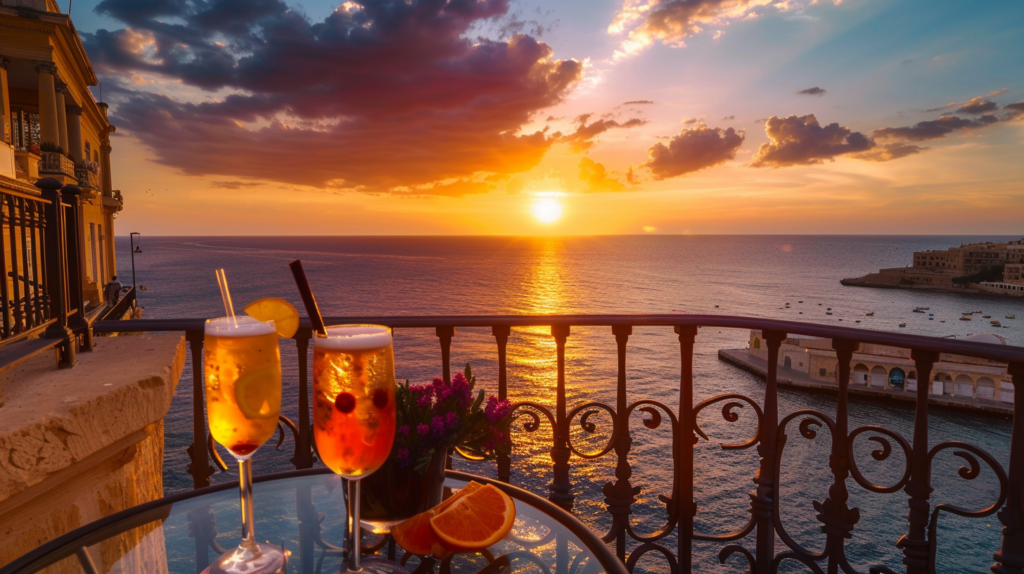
282,313
474,507
476,521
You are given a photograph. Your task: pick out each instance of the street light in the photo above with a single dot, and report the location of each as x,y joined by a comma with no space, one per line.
131,239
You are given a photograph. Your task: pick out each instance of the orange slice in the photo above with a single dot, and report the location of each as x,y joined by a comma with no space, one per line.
282,313
475,521
415,535
258,394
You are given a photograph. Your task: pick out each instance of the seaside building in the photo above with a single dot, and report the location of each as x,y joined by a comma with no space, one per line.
51,127
891,368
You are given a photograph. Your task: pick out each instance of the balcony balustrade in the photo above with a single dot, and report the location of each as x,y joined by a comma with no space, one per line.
763,542
87,179
56,163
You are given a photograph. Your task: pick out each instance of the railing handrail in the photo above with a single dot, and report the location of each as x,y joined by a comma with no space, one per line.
991,351
120,308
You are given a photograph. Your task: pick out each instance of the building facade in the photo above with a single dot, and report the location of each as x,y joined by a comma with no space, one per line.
53,127
891,368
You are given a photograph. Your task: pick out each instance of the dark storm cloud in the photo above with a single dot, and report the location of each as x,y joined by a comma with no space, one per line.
583,138
978,106
803,141
692,150
815,91
380,95
933,129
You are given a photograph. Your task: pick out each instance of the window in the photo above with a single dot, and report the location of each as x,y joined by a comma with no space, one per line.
822,372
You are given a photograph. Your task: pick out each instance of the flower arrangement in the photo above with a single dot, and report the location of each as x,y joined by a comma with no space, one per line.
441,416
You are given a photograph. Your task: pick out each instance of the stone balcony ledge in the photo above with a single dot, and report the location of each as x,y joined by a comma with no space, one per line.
82,443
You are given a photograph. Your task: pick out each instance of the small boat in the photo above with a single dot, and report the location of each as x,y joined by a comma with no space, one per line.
931,318
799,301
903,325
942,321
857,321
965,318
918,310
828,309
995,323
986,316
870,313
979,311
1011,316
828,312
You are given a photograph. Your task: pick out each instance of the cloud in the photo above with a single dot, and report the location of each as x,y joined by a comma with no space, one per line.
672,22
803,141
690,121
815,91
940,108
933,129
595,177
235,184
583,138
1016,109
978,106
889,152
692,150
997,93
638,102
355,101
728,118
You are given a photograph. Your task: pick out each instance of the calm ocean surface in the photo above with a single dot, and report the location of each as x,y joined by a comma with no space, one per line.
736,275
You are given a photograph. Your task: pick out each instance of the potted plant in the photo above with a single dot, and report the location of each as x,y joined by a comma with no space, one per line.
434,420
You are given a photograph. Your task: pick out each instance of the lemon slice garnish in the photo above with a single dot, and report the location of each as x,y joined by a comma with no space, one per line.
282,313
258,394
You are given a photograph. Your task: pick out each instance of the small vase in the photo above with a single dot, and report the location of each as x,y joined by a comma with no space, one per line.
393,494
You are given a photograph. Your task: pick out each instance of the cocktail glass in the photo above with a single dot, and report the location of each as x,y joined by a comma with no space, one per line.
243,400
354,414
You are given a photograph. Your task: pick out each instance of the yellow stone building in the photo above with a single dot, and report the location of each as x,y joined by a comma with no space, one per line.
52,126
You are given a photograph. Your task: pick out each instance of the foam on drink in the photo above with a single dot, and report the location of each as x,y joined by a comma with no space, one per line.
243,326
354,338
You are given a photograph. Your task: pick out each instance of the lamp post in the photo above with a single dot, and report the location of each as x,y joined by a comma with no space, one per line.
131,239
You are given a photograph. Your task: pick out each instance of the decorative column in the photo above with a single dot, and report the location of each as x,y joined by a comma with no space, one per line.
48,129
105,149
62,119
74,119
6,130
1010,558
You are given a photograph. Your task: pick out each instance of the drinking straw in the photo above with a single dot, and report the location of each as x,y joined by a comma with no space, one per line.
225,295
307,298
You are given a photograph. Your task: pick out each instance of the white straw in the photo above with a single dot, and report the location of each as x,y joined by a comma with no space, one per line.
225,295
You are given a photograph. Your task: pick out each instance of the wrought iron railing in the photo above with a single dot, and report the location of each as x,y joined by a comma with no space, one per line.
756,541
57,163
39,254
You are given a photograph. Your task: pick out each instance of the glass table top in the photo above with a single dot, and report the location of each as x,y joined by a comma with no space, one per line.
304,511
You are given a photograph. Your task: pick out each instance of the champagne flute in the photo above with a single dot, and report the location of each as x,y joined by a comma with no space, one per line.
354,414
242,368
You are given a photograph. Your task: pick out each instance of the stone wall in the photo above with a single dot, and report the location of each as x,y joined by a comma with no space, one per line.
83,443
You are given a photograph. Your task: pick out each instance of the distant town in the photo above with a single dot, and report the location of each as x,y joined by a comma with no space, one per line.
995,268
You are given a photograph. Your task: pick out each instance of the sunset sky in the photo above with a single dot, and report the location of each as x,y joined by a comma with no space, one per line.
263,117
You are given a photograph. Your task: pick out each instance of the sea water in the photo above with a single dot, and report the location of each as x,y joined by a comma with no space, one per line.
733,275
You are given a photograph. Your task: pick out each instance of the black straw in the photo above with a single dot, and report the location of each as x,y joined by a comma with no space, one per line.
307,298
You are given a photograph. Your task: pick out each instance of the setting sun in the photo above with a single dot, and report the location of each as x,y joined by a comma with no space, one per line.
547,210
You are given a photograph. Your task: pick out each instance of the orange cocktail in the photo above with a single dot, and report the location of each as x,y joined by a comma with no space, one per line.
243,382
354,398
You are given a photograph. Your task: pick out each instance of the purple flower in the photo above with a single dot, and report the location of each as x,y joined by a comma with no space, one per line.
496,410
451,420
422,429
437,426
461,390
404,430
438,382
424,401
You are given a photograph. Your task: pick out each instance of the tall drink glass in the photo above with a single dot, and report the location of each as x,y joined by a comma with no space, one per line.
243,400
354,412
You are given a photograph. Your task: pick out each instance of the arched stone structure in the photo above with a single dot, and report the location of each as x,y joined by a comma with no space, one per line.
964,386
986,388
879,377
897,378
860,374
